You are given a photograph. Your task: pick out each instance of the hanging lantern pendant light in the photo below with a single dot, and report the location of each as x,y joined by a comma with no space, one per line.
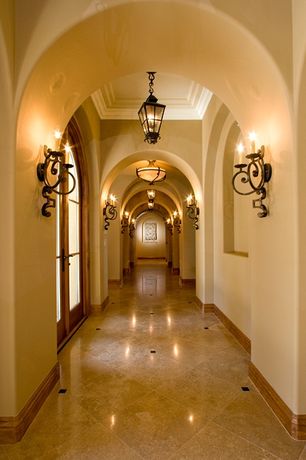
151,114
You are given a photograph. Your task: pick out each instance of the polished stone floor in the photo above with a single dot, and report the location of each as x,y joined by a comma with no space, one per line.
153,378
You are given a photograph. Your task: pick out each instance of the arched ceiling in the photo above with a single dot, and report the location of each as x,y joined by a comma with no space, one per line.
200,45
36,36
110,49
143,209
131,190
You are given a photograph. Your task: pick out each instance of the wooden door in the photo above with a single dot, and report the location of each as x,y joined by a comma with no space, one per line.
70,267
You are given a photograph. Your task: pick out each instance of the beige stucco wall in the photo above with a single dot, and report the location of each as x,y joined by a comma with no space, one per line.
254,79
231,271
7,203
299,72
150,249
89,124
188,248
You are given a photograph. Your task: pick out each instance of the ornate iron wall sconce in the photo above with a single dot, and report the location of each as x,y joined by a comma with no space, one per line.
124,221
54,167
256,173
132,228
169,226
109,211
177,221
193,211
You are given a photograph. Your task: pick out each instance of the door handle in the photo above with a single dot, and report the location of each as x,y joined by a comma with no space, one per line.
63,258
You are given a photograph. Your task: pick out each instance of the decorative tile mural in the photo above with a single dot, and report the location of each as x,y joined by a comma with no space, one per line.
149,231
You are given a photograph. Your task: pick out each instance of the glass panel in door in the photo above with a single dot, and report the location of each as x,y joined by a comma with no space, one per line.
68,258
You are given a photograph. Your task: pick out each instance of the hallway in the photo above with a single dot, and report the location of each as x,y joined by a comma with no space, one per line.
152,378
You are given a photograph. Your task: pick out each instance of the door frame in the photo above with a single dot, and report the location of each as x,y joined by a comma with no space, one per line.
79,156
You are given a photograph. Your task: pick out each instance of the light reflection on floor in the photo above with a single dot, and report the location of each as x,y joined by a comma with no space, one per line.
145,380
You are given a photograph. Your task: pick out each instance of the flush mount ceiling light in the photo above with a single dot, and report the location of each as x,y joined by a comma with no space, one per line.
151,114
151,173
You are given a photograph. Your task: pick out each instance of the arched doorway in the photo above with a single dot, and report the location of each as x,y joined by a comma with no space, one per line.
72,244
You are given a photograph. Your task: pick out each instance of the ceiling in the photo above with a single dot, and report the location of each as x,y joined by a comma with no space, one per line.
121,98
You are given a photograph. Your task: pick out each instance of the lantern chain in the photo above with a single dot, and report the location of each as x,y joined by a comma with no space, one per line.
151,80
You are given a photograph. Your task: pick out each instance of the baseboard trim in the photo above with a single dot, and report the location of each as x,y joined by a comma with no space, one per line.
294,424
187,282
244,341
12,429
105,303
209,308
115,282
98,308
198,302
151,258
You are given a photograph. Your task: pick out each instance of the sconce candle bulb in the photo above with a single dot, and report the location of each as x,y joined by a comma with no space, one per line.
57,134
253,138
240,151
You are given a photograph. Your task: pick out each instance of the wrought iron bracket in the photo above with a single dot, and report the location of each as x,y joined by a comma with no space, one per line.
54,168
256,173
109,213
193,213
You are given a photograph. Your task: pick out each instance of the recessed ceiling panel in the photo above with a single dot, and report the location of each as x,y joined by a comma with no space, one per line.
122,98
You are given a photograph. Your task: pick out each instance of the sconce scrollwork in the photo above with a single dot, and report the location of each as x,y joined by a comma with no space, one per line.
177,221
54,167
132,228
169,226
109,211
256,173
124,222
193,211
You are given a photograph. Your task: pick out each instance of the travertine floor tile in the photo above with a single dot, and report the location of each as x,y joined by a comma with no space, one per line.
249,417
303,455
156,426
215,443
146,380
